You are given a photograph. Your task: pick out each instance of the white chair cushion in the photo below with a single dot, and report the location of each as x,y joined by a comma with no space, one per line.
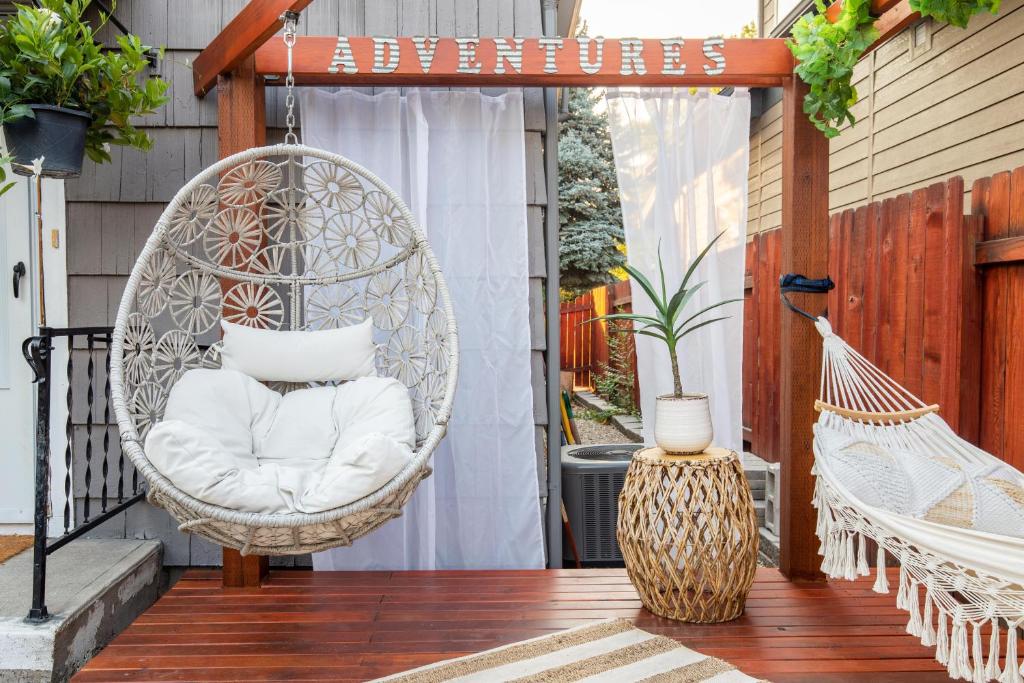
299,356
228,405
230,441
304,429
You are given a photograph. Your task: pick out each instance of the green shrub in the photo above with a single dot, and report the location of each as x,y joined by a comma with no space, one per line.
615,380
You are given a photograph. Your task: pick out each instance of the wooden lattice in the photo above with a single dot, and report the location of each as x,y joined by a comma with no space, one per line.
688,534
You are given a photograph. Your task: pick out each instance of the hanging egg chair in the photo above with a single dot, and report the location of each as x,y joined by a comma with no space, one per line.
285,237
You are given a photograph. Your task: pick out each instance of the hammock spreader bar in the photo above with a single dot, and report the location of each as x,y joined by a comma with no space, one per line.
792,282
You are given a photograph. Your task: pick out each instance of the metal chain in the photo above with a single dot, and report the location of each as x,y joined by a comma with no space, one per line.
289,19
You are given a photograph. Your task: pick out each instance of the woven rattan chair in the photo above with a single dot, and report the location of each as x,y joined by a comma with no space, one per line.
284,237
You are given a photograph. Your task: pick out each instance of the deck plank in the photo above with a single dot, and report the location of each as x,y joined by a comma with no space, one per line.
353,626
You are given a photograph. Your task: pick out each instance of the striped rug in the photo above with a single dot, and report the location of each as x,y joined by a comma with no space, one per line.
612,651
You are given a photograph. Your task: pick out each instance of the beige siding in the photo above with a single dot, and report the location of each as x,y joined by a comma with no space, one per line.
769,18
765,179
951,105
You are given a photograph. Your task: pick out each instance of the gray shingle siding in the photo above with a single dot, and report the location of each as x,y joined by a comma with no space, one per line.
112,208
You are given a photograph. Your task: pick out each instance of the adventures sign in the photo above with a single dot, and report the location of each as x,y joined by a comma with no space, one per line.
474,61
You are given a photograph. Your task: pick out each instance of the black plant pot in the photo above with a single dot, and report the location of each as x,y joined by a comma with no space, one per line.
57,134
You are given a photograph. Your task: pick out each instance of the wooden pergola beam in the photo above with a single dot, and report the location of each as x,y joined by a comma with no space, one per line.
241,125
250,28
892,21
365,60
878,8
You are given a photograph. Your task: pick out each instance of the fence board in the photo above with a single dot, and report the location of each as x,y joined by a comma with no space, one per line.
912,360
991,198
870,304
584,346
853,273
834,236
933,324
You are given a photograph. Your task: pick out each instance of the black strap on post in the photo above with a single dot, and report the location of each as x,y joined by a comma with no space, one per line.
791,282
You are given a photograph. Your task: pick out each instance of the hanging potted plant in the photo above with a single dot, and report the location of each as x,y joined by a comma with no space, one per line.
682,420
63,94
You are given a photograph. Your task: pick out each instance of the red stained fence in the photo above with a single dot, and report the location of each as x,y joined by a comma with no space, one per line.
928,294
578,339
1000,200
761,316
584,346
932,296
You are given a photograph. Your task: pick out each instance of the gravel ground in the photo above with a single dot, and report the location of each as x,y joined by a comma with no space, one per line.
592,432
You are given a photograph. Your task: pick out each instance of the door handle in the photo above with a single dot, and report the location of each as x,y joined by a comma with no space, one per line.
19,272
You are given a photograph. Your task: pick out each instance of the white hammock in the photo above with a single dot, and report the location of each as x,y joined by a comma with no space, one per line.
891,470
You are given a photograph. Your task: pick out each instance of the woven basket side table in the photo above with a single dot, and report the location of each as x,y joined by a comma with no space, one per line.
688,533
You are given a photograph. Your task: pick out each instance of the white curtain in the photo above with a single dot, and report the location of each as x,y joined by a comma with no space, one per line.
458,160
682,163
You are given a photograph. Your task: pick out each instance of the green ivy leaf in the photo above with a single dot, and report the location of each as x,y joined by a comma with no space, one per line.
827,52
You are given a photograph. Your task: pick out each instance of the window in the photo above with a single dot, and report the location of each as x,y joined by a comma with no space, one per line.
920,38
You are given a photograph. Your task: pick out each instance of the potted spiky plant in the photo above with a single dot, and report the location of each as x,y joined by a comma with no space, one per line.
682,420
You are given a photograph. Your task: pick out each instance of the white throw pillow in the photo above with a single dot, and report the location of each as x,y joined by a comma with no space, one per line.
299,356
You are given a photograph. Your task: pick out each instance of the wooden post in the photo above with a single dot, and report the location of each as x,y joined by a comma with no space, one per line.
241,124
805,251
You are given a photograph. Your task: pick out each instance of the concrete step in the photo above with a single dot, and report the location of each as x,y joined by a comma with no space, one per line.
95,588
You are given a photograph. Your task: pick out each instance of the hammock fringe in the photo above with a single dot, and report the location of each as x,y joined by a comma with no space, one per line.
992,670
860,404
881,578
954,629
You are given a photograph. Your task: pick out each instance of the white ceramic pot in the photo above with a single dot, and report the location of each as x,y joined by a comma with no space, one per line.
683,425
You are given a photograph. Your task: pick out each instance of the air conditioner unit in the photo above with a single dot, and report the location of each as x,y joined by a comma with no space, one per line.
592,478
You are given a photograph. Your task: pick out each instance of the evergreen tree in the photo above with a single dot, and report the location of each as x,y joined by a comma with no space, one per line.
590,217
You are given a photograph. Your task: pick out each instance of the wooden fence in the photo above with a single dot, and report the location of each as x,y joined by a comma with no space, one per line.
930,295
578,339
584,346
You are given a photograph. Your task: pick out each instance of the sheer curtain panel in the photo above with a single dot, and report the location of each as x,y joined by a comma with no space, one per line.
682,163
458,160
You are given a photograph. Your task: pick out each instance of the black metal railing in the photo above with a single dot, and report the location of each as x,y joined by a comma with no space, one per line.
100,501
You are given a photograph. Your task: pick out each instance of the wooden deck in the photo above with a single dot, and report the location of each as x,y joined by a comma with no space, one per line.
353,626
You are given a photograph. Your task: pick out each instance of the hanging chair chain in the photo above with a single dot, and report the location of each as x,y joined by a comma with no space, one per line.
290,19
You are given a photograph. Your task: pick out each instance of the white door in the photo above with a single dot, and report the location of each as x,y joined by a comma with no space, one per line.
19,315
17,410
